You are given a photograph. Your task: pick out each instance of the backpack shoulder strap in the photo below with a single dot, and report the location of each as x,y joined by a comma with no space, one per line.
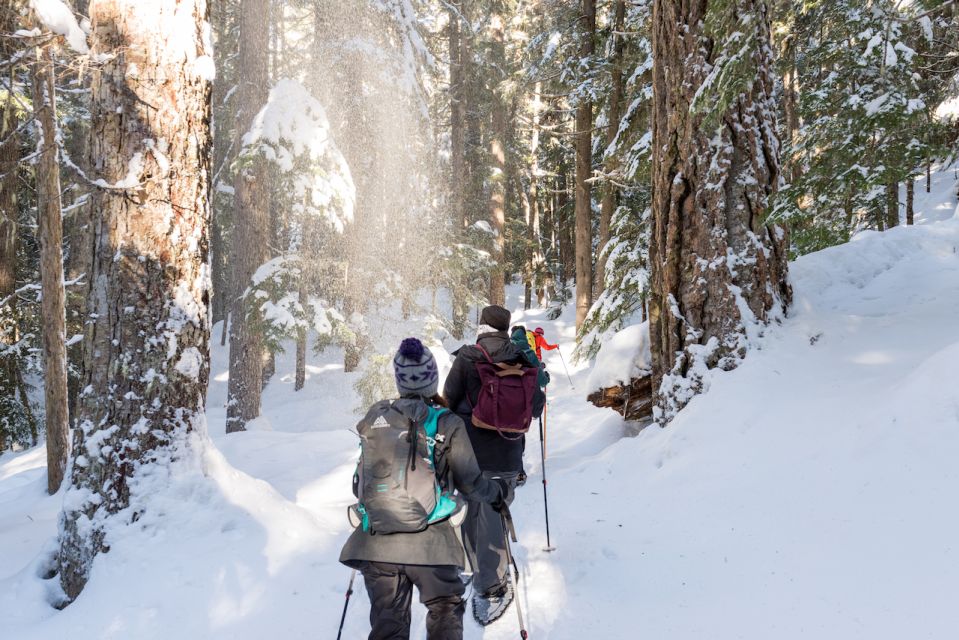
431,425
485,353
504,368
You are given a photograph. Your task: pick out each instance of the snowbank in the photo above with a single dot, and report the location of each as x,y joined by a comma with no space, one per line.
624,356
215,554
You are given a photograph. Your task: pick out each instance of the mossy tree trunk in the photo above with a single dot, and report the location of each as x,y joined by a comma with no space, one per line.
718,268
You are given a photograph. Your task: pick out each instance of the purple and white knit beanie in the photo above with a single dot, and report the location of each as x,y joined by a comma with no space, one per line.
415,369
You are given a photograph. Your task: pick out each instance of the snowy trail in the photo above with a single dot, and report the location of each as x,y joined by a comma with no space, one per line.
809,494
940,202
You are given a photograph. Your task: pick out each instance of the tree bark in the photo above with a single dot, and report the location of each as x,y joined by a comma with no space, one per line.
892,205
534,247
610,190
718,269
9,214
223,154
458,178
301,335
497,179
52,301
910,199
474,155
251,224
584,170
149,347
566,230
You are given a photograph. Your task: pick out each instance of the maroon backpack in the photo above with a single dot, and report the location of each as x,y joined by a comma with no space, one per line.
505,401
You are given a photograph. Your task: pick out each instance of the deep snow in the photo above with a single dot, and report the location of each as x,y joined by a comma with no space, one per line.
809,494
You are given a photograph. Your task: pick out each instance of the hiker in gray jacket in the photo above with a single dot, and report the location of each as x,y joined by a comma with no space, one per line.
432,558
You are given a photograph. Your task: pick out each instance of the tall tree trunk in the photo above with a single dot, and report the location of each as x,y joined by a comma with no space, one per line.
9,212
9,215
497,179
718,270
149,350
301,334
476,169
458,178
534,247
584,169
52,301
566,230
892,205
790,99
910,200
610,190
223,155
250,225
550,248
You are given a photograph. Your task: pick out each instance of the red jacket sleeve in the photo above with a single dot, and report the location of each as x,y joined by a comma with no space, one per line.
541,343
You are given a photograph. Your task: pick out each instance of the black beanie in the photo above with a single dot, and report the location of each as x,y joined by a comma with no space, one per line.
495,316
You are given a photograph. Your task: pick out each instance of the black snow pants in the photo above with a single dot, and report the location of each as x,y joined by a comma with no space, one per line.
390,587
485,540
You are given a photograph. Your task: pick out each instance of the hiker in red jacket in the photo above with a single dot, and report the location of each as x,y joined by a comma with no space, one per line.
541,343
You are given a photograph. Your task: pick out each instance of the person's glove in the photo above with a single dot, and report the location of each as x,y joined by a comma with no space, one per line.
505,496
521,479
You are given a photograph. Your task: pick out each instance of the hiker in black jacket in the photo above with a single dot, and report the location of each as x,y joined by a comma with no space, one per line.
497,456
431,559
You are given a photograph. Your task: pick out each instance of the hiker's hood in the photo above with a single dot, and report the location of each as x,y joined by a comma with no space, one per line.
497,344
412,407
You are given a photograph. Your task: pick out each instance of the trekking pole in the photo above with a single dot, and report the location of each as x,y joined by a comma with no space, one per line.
543,438
510,532
542,450
349,592
563,360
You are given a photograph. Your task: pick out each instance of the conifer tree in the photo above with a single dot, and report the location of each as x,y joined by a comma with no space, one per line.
53,307
584,170
251,223
15,420
864,120
145,386
718,267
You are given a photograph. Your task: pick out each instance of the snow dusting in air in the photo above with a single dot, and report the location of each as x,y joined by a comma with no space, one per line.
293,126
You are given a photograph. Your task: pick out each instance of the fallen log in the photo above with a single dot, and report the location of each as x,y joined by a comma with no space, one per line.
633,401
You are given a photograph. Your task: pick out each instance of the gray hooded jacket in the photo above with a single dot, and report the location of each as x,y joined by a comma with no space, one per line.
456,464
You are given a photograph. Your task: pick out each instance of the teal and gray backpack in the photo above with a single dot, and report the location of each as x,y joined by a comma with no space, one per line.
395,480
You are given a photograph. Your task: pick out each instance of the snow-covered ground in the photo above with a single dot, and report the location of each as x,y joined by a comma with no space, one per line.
810,494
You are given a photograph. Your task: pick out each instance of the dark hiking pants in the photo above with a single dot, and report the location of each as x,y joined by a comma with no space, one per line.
485,540
390,587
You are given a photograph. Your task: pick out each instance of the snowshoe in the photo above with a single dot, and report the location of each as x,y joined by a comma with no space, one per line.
490,606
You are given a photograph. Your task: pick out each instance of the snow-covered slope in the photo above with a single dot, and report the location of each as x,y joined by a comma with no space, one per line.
810,494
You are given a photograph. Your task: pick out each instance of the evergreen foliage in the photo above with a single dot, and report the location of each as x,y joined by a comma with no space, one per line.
866,95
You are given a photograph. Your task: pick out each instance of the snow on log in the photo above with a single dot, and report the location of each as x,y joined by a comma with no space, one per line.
633,401
620,378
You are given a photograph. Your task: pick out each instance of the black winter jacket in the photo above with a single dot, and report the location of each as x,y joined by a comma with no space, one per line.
438,543
462,387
